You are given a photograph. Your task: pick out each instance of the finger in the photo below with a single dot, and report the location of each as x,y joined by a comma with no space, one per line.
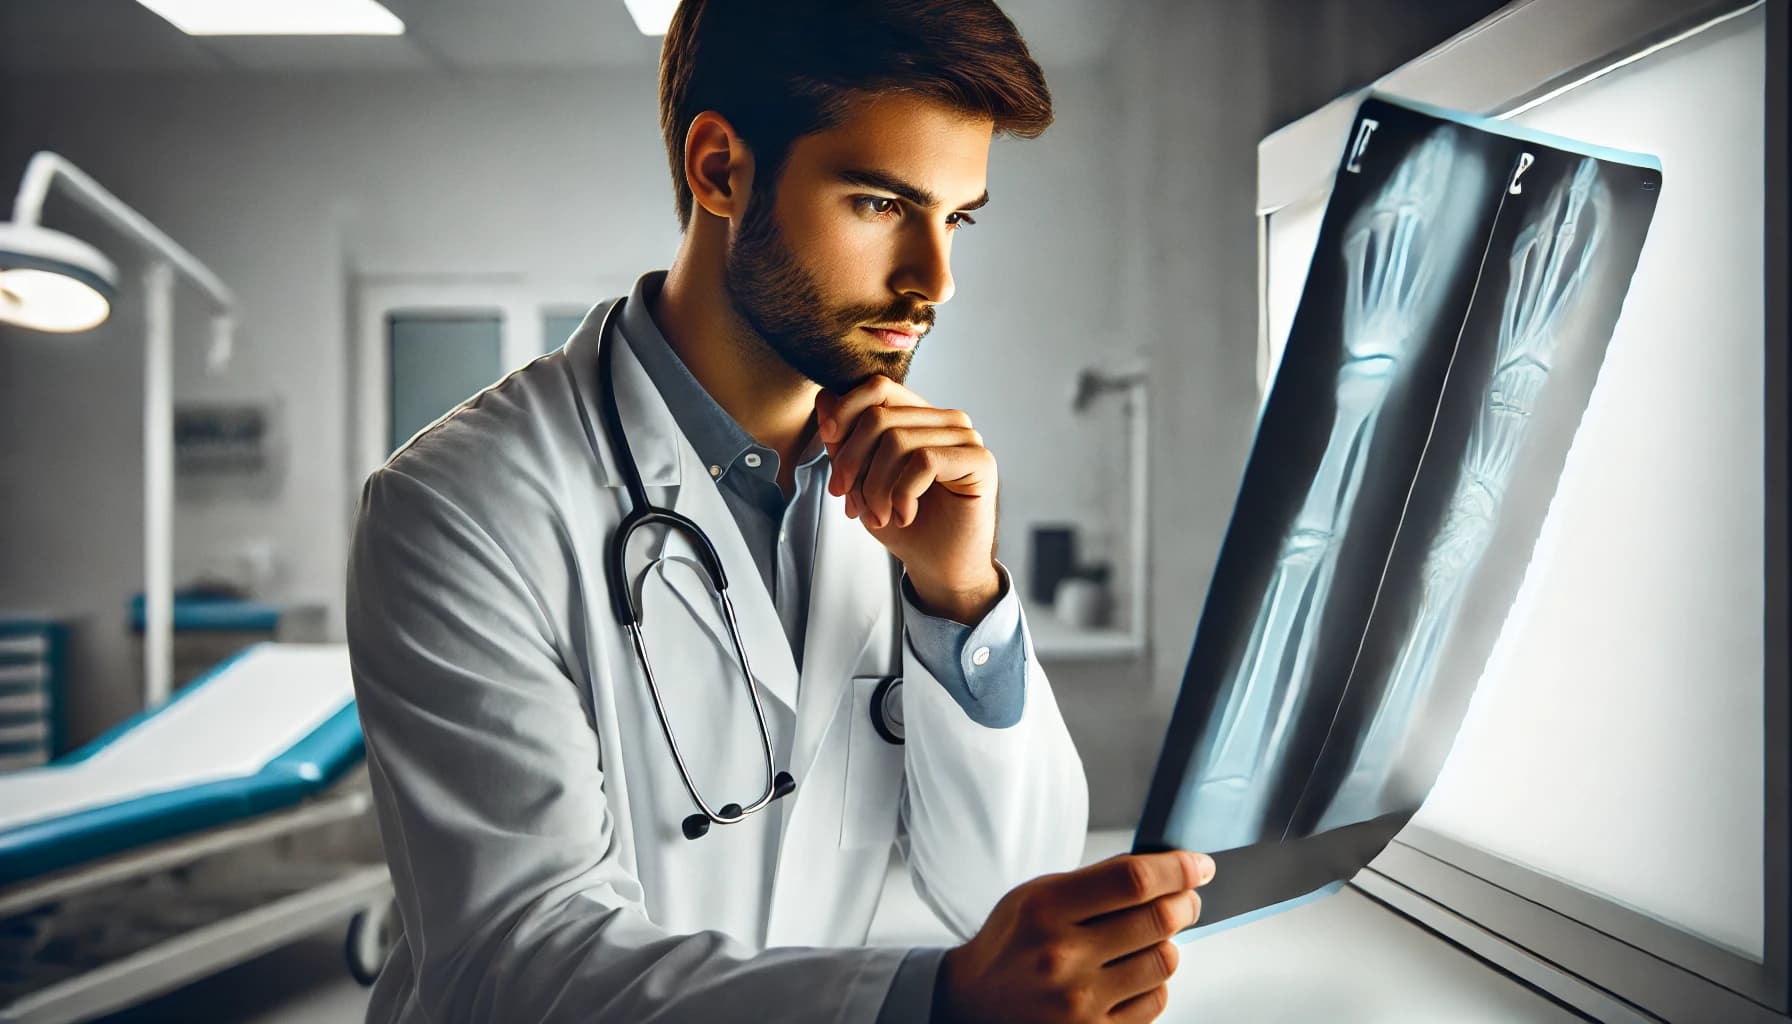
1146,1006
910,460
849,457
837,412
1125,932
1128,880
1139,973
967,470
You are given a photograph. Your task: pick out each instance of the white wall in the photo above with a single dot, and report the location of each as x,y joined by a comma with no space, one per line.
1195,84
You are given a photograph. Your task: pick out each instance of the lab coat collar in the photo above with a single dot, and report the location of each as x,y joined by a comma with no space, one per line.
717,437
653,434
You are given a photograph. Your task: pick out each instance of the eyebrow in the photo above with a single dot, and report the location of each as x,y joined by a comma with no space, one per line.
883,182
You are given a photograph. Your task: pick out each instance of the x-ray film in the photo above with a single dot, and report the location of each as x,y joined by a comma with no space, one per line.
1466,282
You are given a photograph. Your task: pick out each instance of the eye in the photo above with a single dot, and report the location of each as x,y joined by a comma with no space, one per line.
959,220
878,206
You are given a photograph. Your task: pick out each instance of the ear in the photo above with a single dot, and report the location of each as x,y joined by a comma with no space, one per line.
718,166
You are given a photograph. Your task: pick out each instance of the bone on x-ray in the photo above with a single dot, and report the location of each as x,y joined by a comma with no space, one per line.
1467,279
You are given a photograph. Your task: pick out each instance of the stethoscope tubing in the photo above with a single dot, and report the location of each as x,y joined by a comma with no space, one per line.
642,513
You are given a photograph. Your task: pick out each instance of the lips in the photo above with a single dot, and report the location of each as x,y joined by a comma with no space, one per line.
894,338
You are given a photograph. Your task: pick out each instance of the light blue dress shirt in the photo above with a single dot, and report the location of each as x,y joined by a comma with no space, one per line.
983,666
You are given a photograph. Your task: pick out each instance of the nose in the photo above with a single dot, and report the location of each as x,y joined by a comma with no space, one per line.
924,269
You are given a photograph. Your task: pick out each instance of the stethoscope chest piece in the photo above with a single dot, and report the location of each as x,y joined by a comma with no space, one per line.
886,709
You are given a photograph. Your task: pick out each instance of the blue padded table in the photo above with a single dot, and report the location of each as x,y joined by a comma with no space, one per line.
264,730
211,613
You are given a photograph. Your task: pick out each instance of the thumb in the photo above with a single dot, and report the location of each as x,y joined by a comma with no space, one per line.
826,406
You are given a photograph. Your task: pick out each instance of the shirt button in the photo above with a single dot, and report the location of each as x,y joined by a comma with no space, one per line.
715,471
752,460
980,656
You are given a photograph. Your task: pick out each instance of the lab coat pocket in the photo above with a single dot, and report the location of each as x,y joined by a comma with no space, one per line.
873,774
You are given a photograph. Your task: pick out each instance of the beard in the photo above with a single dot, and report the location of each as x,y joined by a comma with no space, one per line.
780,301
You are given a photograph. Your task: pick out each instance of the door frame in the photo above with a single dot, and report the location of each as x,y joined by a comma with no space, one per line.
519,303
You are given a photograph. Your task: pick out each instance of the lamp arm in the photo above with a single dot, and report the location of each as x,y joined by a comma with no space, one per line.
47,168
169,258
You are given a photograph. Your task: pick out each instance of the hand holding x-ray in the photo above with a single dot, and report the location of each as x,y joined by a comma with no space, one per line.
1083,946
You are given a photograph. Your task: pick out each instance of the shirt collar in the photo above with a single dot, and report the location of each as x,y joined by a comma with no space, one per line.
718,439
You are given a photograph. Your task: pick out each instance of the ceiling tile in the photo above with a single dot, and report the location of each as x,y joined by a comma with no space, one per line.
93,36
321,53
480,35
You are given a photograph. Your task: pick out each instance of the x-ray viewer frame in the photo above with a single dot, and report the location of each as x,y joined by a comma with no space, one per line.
1586,952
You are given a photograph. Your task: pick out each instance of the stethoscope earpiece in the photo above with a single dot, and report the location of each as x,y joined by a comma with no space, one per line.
696,826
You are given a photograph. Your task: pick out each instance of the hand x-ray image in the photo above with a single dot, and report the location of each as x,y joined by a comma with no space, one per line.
1465,285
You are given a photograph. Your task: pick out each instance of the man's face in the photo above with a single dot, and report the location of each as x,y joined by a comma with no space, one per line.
859,237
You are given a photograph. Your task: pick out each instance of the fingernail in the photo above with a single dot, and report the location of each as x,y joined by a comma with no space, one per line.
852,507
1204,868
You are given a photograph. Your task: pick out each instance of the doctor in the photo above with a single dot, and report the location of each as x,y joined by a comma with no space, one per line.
583,827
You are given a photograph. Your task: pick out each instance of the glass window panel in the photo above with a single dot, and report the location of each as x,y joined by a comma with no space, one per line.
436,363
557,327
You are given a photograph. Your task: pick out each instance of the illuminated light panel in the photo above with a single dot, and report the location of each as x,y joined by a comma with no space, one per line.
278,17
652,16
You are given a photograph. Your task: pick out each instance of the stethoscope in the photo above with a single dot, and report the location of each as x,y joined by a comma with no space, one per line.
886,703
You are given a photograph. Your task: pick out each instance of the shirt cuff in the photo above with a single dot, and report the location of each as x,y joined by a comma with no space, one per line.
983,667
911,991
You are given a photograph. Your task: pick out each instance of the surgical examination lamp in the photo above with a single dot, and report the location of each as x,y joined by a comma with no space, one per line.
51,281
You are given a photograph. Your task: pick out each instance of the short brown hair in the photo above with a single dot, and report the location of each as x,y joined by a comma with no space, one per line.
782,69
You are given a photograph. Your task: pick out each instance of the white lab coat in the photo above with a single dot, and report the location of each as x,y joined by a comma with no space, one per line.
527,801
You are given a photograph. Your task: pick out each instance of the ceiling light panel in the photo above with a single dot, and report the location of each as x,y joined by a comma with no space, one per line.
278,17
652,16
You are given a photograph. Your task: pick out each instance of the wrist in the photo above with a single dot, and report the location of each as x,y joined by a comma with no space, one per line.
965,603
